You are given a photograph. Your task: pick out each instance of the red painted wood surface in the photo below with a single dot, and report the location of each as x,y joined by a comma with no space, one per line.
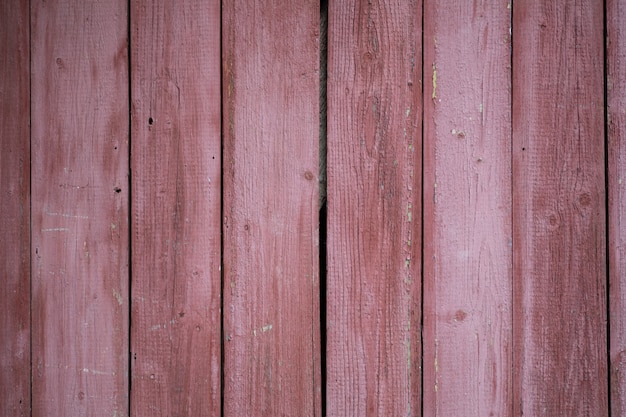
515,208
467,209
175,162
559,229
374,208
271,248
79,208
616,89
14,210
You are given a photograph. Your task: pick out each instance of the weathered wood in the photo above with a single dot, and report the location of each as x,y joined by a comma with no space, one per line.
374,208
14,209
79,208
616,83
175,161
559,229
271,273
467,209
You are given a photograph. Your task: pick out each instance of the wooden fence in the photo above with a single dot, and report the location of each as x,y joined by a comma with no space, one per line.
171,246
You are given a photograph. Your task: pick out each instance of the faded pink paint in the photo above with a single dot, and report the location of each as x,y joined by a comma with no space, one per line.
271,193
467,209
79,220
616,82
176,188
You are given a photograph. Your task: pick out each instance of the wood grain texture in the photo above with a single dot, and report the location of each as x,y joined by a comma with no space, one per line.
374,208
271,209
14,209
467,209
175,161
79,208
559,229
616,95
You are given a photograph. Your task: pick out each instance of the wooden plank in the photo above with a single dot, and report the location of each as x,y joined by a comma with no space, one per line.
559,229
616,82
374,208
467,209
14,209
271,208
175,332
79,208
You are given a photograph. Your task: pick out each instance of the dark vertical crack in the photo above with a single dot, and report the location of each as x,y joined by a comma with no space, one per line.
421,329
323,53
512,214
130,208
512,217
221,267
605,42
30,199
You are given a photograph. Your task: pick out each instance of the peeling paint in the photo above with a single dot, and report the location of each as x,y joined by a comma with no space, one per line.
263,329
95,372
434,80
118,297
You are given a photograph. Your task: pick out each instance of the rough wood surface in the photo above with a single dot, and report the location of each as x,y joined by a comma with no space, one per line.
79,208
559,229
616,82
175,331
467,209
374,208
14,209
271,272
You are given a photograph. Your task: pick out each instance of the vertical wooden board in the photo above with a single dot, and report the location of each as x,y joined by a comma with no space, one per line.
374,208
559,229
175,161
271,209
79,208
467,209
14,209
616,82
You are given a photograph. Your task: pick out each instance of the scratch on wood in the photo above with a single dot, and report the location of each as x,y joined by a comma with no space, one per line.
67,215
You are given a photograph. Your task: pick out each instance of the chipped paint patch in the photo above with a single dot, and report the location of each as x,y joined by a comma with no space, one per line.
263,329
94,372
434,81
118,297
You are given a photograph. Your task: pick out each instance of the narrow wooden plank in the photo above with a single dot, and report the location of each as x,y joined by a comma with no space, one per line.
80,208
616,82
467,209
175,332
271,208
559,229
374,208
14,209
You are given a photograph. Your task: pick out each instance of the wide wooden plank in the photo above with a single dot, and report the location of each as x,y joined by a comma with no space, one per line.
79,208
374,208
271,208
467,209
616,95
559,229
14,209
175,161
